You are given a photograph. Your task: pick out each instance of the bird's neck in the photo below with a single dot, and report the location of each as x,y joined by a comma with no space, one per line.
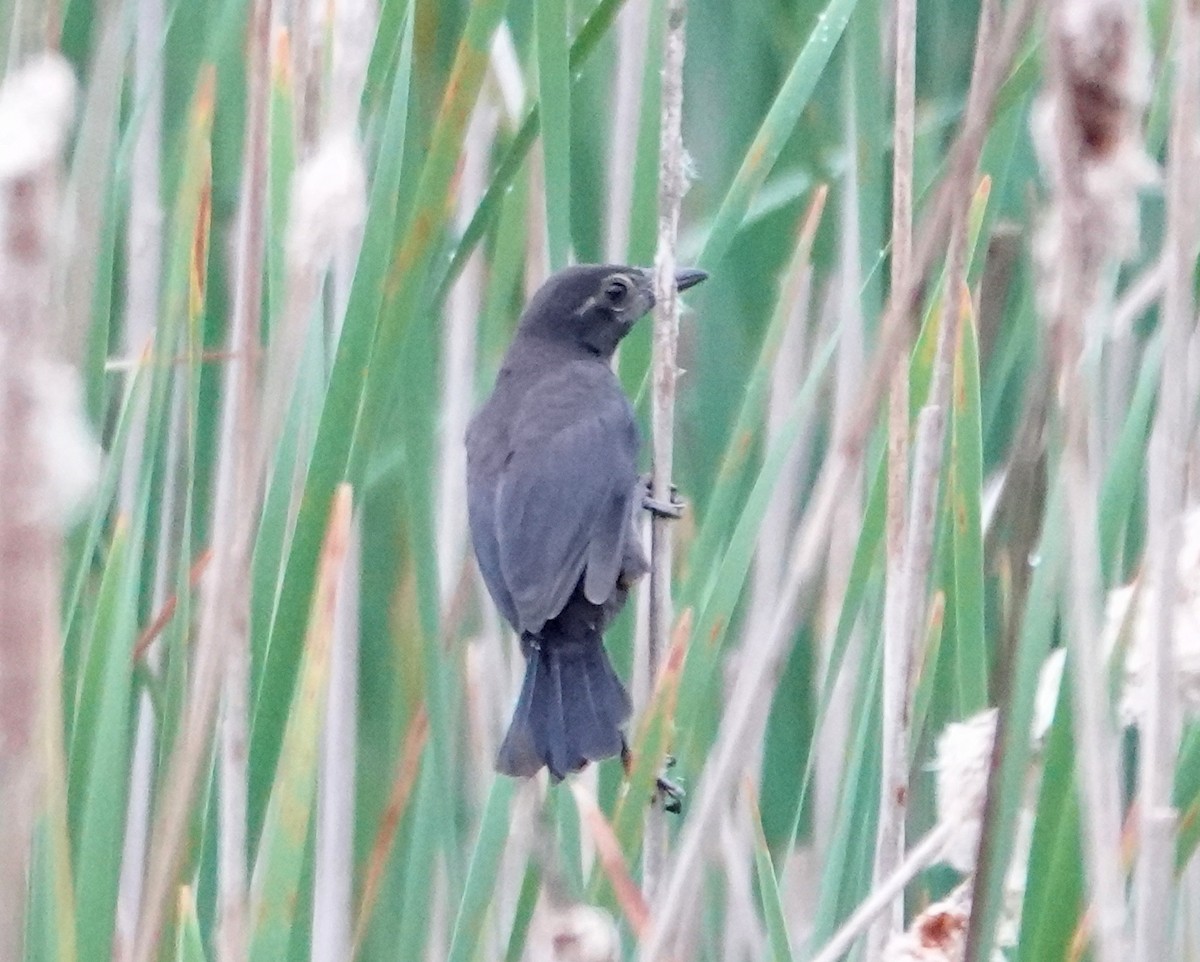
533,349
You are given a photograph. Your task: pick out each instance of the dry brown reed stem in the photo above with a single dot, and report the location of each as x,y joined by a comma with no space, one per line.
931,421
333,843
220,667
325,218
225,612
672,185
906,619
1096,742
1087,128
885,890
755,682
951,194
843,320
32,133
897,651
334,201
914,565
1160,731
844,305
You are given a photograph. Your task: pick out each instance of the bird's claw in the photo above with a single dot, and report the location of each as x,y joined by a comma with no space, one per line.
669,792
672,510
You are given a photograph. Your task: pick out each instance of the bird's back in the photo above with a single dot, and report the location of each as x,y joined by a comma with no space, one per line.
542,390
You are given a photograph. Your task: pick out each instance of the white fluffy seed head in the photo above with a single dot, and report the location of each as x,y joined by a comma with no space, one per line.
70,454
329,202
576,933
964,752
66,455
1129,627
37,106
938,934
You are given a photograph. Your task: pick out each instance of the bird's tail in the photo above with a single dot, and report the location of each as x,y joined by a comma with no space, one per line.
571,707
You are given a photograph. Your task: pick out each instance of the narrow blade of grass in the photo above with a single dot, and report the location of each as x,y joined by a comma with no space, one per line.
554,98
649,755
285,837
616,869
189,947
1008,779
1054,895
584,45
965,490
711,625
100,751
768,884
481,876
277,663
414,745
776,128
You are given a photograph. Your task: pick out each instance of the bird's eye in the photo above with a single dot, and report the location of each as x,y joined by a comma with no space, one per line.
616,289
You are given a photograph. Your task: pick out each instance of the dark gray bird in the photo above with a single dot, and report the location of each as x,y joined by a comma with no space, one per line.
553,489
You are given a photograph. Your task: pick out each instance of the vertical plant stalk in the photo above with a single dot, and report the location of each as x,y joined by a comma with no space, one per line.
354,28
220,673
142,304
844,302
898,634
463,308
333,882
1097,755
307,49
227,601
792,349
756,680
931,421
93,177
632,28
1160,731
30,533
554,95
672,185
951,197
907,603
1086,126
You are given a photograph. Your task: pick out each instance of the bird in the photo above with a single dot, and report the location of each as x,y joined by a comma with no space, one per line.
553,491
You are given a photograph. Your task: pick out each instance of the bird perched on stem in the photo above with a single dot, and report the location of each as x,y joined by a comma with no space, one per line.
552,490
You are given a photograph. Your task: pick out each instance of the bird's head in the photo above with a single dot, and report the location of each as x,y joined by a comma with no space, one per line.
595,305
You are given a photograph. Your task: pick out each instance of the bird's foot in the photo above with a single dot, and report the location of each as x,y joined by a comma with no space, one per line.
669,792
672,510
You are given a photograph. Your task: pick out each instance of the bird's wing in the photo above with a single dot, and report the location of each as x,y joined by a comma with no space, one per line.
565,495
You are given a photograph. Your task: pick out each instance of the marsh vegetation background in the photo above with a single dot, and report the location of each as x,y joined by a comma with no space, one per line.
936,423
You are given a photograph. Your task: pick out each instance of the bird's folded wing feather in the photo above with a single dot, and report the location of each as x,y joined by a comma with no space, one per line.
566,493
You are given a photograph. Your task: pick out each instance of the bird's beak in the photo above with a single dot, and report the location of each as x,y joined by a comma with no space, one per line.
689,277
